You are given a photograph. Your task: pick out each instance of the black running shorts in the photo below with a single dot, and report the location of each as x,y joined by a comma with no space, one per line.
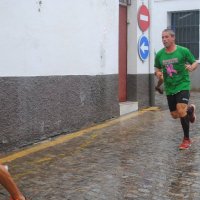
180,97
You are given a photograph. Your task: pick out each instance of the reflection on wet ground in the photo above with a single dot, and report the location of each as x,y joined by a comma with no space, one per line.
133,158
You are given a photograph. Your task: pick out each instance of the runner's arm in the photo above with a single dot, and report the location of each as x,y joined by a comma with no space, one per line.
158,73
191,67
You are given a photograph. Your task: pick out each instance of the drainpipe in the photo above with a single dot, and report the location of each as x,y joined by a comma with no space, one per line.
151,76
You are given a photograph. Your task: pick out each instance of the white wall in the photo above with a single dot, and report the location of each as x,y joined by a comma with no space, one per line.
60,37
159,16
135,64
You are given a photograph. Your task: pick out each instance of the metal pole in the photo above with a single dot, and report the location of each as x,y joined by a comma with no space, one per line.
151,75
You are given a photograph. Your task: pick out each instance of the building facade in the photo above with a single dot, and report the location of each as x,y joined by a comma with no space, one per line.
183,17
69,65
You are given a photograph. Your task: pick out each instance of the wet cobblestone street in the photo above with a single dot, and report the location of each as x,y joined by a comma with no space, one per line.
135,157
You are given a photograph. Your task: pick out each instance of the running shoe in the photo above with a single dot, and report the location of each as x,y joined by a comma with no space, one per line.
186,143
16,199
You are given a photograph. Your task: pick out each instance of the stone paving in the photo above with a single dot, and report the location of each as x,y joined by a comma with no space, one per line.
134,159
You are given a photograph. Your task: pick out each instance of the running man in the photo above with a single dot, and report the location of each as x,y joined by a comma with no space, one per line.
175,63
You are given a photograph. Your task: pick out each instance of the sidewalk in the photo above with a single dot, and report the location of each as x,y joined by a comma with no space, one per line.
135,157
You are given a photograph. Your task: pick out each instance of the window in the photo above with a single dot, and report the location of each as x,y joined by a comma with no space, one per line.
186,26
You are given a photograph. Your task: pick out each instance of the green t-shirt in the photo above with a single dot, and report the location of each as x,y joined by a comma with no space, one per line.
176,77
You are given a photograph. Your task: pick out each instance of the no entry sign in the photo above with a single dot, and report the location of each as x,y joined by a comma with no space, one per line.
143,18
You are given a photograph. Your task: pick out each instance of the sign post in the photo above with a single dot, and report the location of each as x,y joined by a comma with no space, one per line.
143,23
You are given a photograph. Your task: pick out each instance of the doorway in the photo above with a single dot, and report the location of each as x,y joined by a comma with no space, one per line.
122,53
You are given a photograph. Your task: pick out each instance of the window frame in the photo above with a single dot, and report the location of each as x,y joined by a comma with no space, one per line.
191,37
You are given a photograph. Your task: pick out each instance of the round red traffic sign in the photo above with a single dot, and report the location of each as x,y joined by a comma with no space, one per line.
143,18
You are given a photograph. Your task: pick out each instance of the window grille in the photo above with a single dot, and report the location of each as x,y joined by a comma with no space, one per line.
186,27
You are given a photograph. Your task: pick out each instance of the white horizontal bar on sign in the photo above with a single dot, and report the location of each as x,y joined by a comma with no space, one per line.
144,18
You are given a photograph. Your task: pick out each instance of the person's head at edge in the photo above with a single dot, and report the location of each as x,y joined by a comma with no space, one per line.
168,38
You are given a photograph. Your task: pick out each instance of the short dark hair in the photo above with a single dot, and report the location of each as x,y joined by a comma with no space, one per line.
170,31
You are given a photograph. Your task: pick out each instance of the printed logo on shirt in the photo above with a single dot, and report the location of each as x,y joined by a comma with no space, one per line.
170,70
169,66
170,61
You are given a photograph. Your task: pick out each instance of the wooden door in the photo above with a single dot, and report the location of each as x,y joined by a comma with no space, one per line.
122,53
